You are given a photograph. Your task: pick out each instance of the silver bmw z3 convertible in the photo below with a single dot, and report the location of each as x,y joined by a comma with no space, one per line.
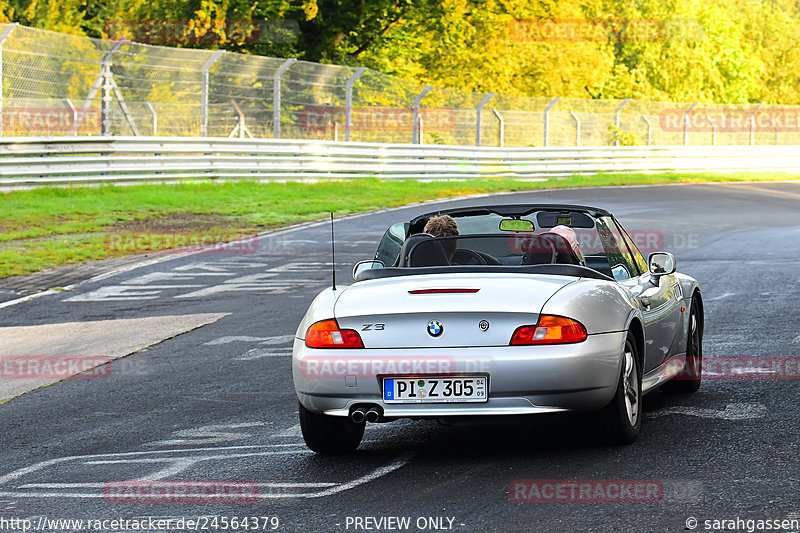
514,309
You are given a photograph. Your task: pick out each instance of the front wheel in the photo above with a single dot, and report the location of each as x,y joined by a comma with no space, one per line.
329,434
622,417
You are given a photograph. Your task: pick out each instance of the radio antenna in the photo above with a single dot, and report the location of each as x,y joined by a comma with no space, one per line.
333,256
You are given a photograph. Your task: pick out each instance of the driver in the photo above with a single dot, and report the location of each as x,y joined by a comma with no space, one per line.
571,238
444,226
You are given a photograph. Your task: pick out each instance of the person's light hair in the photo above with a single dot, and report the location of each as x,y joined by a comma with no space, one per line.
441,226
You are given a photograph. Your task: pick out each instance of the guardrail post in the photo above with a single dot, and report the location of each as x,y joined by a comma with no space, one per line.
616,118
713,131
686,124
479,110
3,36
577,127
149,107
753,125
416,120
348,102
276,97
501,133
546,128
649,129
204,94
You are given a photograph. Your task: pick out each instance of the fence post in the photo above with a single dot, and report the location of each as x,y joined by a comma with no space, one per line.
204,93
105,89
553,102
501,133
772,124
3,36
753,125
276,97
616,118
149,107
577,127
479,110
649,129
241,128
348,102
713,131
101,81
415,118
686,124
72,109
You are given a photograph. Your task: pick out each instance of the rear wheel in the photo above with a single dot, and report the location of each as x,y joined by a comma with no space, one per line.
622,417
330,434
692,374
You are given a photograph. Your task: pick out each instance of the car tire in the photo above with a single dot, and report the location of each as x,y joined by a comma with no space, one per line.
691,376
330,434
622,417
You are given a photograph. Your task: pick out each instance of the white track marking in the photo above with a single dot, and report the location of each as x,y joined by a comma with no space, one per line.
732,411
94,490
293,431
257,353
380,472
234,338
720,297
211,434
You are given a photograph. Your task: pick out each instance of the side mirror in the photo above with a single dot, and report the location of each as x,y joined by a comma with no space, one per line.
660,264
369,264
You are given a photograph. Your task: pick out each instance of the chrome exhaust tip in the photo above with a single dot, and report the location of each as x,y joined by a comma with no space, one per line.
373,415
358,415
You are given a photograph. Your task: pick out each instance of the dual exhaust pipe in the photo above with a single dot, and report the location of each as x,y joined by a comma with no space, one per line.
360,414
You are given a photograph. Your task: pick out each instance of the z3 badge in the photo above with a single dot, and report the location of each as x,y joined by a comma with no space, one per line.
373,327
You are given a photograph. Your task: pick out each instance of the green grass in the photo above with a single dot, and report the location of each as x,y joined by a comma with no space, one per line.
48,227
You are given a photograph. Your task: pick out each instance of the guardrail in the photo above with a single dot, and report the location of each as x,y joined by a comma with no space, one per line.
40,161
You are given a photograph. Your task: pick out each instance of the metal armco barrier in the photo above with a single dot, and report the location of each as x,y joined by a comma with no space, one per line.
40,161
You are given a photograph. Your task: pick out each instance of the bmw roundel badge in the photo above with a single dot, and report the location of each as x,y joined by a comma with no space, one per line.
435,328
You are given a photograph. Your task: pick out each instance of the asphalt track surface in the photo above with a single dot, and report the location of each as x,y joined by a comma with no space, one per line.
216,403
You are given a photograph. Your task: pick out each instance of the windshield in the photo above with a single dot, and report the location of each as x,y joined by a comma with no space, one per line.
558,237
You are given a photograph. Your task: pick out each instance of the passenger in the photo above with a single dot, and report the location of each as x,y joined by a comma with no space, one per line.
444,226
571,238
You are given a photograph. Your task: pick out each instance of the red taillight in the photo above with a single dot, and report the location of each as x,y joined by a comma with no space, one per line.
326,334
550,330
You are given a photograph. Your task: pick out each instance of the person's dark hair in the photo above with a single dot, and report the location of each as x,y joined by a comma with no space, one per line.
441,226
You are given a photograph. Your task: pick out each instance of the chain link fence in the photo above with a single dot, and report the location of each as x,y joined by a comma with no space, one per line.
56,84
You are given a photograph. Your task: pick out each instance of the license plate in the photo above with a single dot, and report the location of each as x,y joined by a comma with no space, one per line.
435,390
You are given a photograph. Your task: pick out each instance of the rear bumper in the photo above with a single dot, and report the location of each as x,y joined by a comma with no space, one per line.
522,379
